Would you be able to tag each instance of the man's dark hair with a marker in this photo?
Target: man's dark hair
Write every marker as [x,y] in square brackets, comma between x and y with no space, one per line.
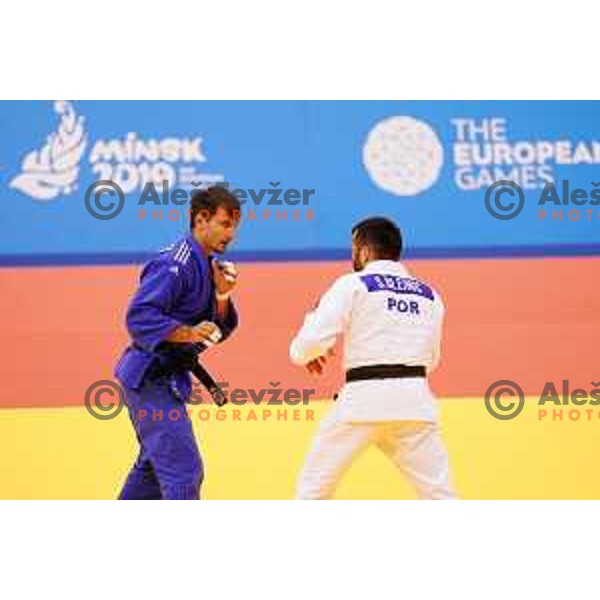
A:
[207,201]
[381,235]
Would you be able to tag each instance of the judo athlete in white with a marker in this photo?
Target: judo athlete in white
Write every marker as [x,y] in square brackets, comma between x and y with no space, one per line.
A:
[392,324]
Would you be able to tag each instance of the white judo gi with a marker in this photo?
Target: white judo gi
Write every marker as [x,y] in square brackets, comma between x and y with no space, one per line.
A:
[387,317]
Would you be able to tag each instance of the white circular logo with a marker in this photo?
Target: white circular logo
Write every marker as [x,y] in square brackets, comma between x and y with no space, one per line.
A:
[403,156]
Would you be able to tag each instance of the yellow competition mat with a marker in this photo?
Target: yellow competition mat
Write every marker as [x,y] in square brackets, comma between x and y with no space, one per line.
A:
[64,453]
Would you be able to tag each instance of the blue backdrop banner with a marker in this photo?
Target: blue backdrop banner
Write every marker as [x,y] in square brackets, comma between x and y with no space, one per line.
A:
[462,178]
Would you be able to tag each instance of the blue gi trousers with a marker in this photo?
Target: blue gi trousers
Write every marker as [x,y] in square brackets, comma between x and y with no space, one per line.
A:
[169,465]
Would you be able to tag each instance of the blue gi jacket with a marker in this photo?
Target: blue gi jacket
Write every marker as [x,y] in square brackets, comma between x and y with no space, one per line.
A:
[176,288]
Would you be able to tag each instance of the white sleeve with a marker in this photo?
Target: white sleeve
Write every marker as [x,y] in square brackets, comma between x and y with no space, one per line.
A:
[321,326]
[437,341]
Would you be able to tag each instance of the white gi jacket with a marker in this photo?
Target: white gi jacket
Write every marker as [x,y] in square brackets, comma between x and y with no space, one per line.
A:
[386,317]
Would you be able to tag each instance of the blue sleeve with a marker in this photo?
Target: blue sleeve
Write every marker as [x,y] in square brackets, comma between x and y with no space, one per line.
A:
[148,317]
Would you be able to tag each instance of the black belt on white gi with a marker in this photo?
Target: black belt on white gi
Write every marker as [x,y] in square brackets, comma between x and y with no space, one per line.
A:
[384,372]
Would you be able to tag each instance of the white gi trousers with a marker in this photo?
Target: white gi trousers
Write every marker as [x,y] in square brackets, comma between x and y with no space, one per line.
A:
[375,412]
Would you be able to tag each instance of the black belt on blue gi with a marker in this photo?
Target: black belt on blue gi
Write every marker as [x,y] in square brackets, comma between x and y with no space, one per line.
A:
[202,375]
[384,372]
[206,379]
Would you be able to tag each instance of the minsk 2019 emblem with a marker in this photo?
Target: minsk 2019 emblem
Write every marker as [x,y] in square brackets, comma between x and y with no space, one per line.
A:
[53,170]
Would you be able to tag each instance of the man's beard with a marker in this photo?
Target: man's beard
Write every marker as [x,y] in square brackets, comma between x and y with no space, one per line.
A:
[356,265]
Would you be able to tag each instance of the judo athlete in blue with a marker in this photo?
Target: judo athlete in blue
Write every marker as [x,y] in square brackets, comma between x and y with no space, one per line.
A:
[182,304]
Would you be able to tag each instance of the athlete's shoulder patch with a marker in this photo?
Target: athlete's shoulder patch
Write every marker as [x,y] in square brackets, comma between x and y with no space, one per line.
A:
[166,249]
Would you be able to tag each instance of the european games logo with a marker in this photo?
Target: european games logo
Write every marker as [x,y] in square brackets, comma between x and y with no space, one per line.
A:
[403,156]
[53,170]
[130,161]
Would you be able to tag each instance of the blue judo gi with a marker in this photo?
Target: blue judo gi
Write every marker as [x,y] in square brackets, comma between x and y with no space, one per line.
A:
[176,288]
